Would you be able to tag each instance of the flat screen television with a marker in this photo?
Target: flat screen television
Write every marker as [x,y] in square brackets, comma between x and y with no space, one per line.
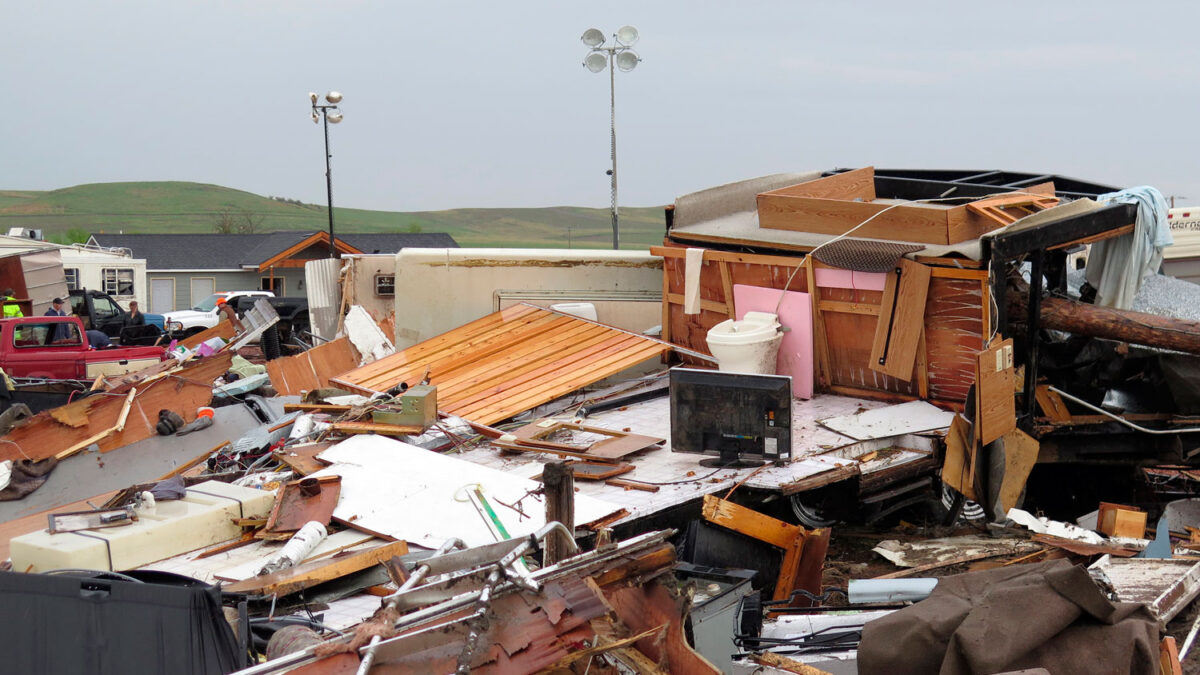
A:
[742,419]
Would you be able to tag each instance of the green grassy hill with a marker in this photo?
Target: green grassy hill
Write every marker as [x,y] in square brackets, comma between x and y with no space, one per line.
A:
[193,207]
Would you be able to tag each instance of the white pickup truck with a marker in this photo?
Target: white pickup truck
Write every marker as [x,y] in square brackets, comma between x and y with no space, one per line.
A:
[186,322]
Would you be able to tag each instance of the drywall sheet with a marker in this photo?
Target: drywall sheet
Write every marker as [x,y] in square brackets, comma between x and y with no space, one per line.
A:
[400,490]
[860,281]
[894,420]
[795,314]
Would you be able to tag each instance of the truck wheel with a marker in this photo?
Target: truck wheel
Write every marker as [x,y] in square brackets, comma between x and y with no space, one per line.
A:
[270,344]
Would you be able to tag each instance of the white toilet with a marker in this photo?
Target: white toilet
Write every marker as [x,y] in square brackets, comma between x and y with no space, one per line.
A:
[747,346]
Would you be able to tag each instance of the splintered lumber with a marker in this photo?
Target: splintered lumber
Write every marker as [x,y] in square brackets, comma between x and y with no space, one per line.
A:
[110,423]
[376,428]
[223,330]
[1115,324]
[558,482]
[795,571]
[773,660]
[307,575]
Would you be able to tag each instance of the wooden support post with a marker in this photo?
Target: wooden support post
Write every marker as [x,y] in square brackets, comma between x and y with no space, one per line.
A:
[559,482]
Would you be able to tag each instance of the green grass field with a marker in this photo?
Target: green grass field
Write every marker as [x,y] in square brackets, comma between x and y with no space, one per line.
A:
[162,207]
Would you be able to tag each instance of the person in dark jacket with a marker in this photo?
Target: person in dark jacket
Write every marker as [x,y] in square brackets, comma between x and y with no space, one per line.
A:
[136,318]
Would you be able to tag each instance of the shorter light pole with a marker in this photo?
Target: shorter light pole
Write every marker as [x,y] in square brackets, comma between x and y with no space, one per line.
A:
[622,56]
[330,113]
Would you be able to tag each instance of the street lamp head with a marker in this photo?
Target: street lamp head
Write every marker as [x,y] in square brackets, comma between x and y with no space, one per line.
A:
[627,60]
[334,97]
[333,116]
[316,117]
[312,96]
[627,36]
[592,38]
[596,62]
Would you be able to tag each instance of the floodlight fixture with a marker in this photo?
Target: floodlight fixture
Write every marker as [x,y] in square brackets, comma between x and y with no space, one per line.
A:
[627,60]
[616,56]
[627,36]
[330,113]
[592,37]
[596,62]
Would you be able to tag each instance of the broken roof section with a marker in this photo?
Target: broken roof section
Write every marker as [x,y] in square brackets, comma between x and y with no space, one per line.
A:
[756,212]
[508,362]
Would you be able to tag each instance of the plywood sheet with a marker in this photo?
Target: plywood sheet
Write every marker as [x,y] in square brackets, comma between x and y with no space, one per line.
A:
[958,470]
[795,314]
[996,412]
[400,490]
[901,320]
[892,420]
[508,362]
[312,369]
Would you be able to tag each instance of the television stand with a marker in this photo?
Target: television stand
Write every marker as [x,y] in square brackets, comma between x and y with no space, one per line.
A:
[731,459]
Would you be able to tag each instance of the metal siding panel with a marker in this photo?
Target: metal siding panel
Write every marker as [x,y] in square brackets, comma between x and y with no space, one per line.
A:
[324,295]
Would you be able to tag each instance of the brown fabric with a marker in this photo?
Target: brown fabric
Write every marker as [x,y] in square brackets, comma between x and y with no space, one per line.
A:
[26,477]
[1049,615]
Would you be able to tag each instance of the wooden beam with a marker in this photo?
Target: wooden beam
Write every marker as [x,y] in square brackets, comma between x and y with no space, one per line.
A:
[307,575]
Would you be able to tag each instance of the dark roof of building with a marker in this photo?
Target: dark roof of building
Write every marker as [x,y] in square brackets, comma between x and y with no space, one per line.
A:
[232,251]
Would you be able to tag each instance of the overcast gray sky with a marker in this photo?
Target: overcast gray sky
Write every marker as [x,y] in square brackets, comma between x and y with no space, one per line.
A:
[486,104]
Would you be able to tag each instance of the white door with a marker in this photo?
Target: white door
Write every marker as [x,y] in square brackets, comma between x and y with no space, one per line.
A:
[202,287]
[162,296]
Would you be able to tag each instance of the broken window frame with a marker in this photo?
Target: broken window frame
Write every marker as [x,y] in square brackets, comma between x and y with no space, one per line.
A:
[117,281]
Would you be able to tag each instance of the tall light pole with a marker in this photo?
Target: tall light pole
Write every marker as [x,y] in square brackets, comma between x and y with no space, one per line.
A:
[621,55]
[330,113]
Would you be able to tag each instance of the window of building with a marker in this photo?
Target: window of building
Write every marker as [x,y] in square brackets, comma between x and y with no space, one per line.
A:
[117,280]
[385,284]
[72,274]
[274,284]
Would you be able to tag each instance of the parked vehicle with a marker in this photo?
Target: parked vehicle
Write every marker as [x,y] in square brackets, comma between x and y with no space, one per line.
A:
[188,322]
[58,347]
[100,312]
[292,311]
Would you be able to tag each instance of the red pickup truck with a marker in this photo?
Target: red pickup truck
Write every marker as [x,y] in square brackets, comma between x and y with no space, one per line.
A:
[57,347]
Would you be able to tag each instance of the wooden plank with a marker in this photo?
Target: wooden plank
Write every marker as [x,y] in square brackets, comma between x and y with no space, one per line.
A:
[303,458]
[706,305]
[631,485]
[958,469]
[1052,405]
[1020,454]
[374,428]
[864,308]
[820,345]
[955,273]
[954,332]
[727,288]
[779,662]
[996,413]
[730,257]
[901,320]
[311,370]
[193,462]
[307,575]
[922,367]
[749,522]
[848,185]
[223,330]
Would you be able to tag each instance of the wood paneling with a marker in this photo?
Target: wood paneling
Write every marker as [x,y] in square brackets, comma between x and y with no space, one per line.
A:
[311,370]
[901,321]
[996,412]
[953,336]
[508,362]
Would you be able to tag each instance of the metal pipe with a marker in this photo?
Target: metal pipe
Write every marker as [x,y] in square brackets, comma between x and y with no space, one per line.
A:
[329,181]
[415,578]
[1122,420]
[889,590]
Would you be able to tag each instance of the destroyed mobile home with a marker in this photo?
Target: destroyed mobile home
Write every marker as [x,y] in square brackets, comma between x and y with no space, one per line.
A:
[533,490]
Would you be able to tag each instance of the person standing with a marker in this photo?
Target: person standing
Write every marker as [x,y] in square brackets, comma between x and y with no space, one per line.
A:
[57,308]
[11,308]
[136,318]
